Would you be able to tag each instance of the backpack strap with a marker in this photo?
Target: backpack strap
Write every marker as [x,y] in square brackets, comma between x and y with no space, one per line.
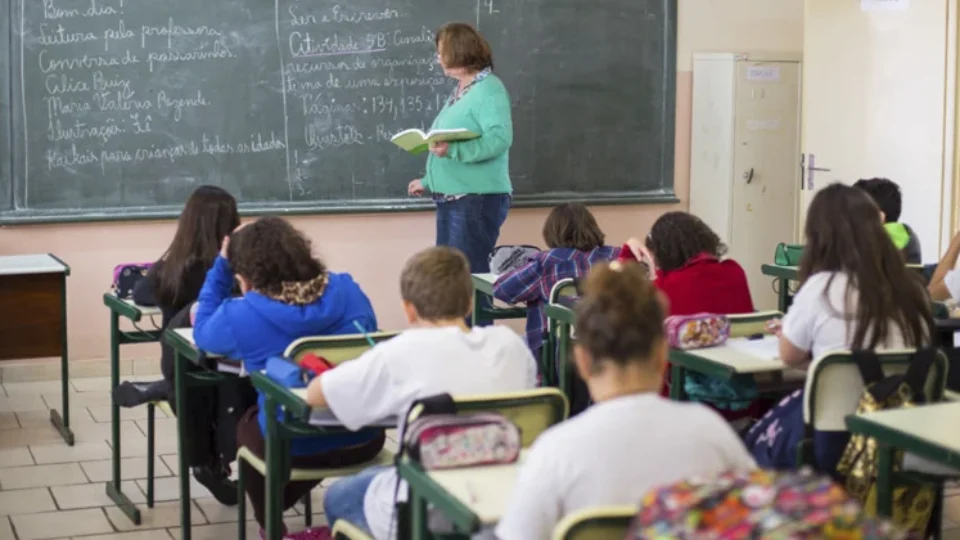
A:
[918,372]
[868,363]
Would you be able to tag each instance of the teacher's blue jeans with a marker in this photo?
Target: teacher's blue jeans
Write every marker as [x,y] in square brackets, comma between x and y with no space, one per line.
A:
[472,225]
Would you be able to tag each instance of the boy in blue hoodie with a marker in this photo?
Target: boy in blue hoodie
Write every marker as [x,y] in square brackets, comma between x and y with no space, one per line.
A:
[287,294]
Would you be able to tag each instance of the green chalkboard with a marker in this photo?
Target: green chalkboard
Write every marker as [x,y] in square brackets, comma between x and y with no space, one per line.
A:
[118,109]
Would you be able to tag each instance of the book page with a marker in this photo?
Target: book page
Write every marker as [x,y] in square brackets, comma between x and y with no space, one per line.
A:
[767,348]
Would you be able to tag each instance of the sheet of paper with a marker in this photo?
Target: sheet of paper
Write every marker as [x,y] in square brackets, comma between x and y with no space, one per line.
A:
[884,5]
[767,348]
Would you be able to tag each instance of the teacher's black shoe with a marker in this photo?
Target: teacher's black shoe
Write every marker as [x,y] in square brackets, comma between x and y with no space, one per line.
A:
[218,483]
[133,394]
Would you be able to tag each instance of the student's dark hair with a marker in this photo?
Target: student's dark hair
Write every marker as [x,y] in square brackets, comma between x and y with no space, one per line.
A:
[270,252]
[619,317]
[571,225]
[463,47]
[844,234]
[886,193]
[437,282]
[209,215]
[677,237]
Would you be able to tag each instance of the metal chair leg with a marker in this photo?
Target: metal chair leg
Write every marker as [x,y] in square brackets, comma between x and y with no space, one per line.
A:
[151,412]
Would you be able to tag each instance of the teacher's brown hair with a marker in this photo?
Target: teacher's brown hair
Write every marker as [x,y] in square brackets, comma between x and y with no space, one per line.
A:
[461,46]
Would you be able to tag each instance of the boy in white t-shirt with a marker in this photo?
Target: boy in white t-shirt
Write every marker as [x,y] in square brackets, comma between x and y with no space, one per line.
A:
[439,355]
[632,439]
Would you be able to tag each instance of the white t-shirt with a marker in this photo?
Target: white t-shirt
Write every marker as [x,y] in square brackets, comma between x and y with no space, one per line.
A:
[952,281]
[614,453]
[416,364]
[822,324]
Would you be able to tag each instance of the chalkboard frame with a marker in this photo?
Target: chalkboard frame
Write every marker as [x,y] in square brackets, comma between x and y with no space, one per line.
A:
[11,215]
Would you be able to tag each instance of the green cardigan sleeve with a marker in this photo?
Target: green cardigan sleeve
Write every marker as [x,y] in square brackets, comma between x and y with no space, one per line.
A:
[496,126]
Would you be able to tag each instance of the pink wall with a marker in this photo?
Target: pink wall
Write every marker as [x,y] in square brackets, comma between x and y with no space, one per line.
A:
[372,247]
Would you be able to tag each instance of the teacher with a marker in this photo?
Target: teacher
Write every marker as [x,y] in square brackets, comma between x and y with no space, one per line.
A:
[470,180]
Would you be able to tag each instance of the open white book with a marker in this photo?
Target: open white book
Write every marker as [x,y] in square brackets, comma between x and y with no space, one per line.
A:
[416,141]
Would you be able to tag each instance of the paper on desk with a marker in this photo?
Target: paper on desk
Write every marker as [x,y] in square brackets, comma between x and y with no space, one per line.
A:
[767,348]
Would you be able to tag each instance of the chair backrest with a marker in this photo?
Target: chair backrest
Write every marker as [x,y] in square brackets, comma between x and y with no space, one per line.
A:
[749,324]
[336,349]
[563,289]
[834,385]
[601,523]
[533,411]
[788,254]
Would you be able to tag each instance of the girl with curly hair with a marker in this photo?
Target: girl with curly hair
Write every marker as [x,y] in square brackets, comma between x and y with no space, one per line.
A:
[686,262]
[287,294]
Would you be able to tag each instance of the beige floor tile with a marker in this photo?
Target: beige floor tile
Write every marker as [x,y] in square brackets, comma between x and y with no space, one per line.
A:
[147,368]
[8,420]
[41,476]
[24,403]
[162,424]
[79,416]
[217,532]
[101,413]
[80,399]
[153,534]
[162,515]
[136,446]
[130,469]
[61,453]
[103,432]
[218,513]
[23,437]
[14,389]
[55,524]
[34,370]
[93,495]
[168,489]
[951,509]
[90,384]
[26,501]
[15,457]
[6,531]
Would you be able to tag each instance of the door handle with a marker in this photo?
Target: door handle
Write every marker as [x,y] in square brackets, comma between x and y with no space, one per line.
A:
[812,169]
[748,175]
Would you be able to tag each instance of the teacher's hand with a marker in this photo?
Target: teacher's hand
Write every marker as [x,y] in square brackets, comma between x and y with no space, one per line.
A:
[415,188]
[439,149]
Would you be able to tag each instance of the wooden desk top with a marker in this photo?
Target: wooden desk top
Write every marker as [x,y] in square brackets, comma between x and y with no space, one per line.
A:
[41,263]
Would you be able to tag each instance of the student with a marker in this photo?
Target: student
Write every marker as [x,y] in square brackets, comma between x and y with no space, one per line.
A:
[440,354]
[855,294]
[172,284]
[575,243]
[945,283]
[287,294]
[632,439]
[686,261]
[886,194]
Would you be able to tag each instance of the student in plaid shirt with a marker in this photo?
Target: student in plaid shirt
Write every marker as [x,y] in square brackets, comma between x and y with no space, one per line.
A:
[575,243]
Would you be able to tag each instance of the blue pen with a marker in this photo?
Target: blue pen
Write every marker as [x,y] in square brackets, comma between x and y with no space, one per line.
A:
[366,336]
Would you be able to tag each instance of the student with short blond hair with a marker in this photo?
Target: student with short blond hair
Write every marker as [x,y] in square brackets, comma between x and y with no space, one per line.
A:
[438,355]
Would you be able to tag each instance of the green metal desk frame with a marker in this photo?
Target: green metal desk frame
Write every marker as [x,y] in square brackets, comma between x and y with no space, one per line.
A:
[483,315]
[118,308]
[784,275]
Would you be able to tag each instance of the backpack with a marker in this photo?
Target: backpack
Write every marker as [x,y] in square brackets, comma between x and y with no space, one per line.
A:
[756,504]
[912,505]
[508,258]
[126,276]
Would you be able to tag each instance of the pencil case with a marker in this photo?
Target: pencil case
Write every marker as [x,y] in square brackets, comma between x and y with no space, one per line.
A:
[126,276]
[449,441]
[697,331]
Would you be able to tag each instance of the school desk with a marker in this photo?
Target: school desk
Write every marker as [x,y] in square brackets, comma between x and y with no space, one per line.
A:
[483,288]
[721,362]
[299,420]
[470,498]
[136,315]
[928,432]
[33,299]
[213,372]
[784,275]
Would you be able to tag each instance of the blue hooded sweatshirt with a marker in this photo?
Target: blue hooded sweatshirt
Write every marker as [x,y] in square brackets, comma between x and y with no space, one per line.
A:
[255,327]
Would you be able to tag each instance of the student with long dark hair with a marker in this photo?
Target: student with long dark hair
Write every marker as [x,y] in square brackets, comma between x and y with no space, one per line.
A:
[856,294]
[173,284]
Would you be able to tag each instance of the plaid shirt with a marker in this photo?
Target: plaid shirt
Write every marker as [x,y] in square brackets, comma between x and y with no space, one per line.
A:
[532,283]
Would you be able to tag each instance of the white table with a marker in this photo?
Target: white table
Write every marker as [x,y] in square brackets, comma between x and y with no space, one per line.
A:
[33,297]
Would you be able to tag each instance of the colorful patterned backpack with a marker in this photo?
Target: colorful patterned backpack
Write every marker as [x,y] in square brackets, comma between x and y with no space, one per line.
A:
[753,505]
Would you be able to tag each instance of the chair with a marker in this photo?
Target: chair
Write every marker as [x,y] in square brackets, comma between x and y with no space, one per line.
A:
[601,523]
[788,254]
[550,372]
[152,406]
[344,530]
[336,349]
[832,392]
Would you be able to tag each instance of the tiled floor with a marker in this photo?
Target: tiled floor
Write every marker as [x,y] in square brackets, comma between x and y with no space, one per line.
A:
[50,490]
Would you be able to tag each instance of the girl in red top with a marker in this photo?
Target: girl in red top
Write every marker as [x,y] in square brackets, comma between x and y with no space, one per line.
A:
[686,262]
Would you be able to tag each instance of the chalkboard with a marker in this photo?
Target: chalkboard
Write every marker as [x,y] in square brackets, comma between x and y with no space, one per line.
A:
[120,108]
